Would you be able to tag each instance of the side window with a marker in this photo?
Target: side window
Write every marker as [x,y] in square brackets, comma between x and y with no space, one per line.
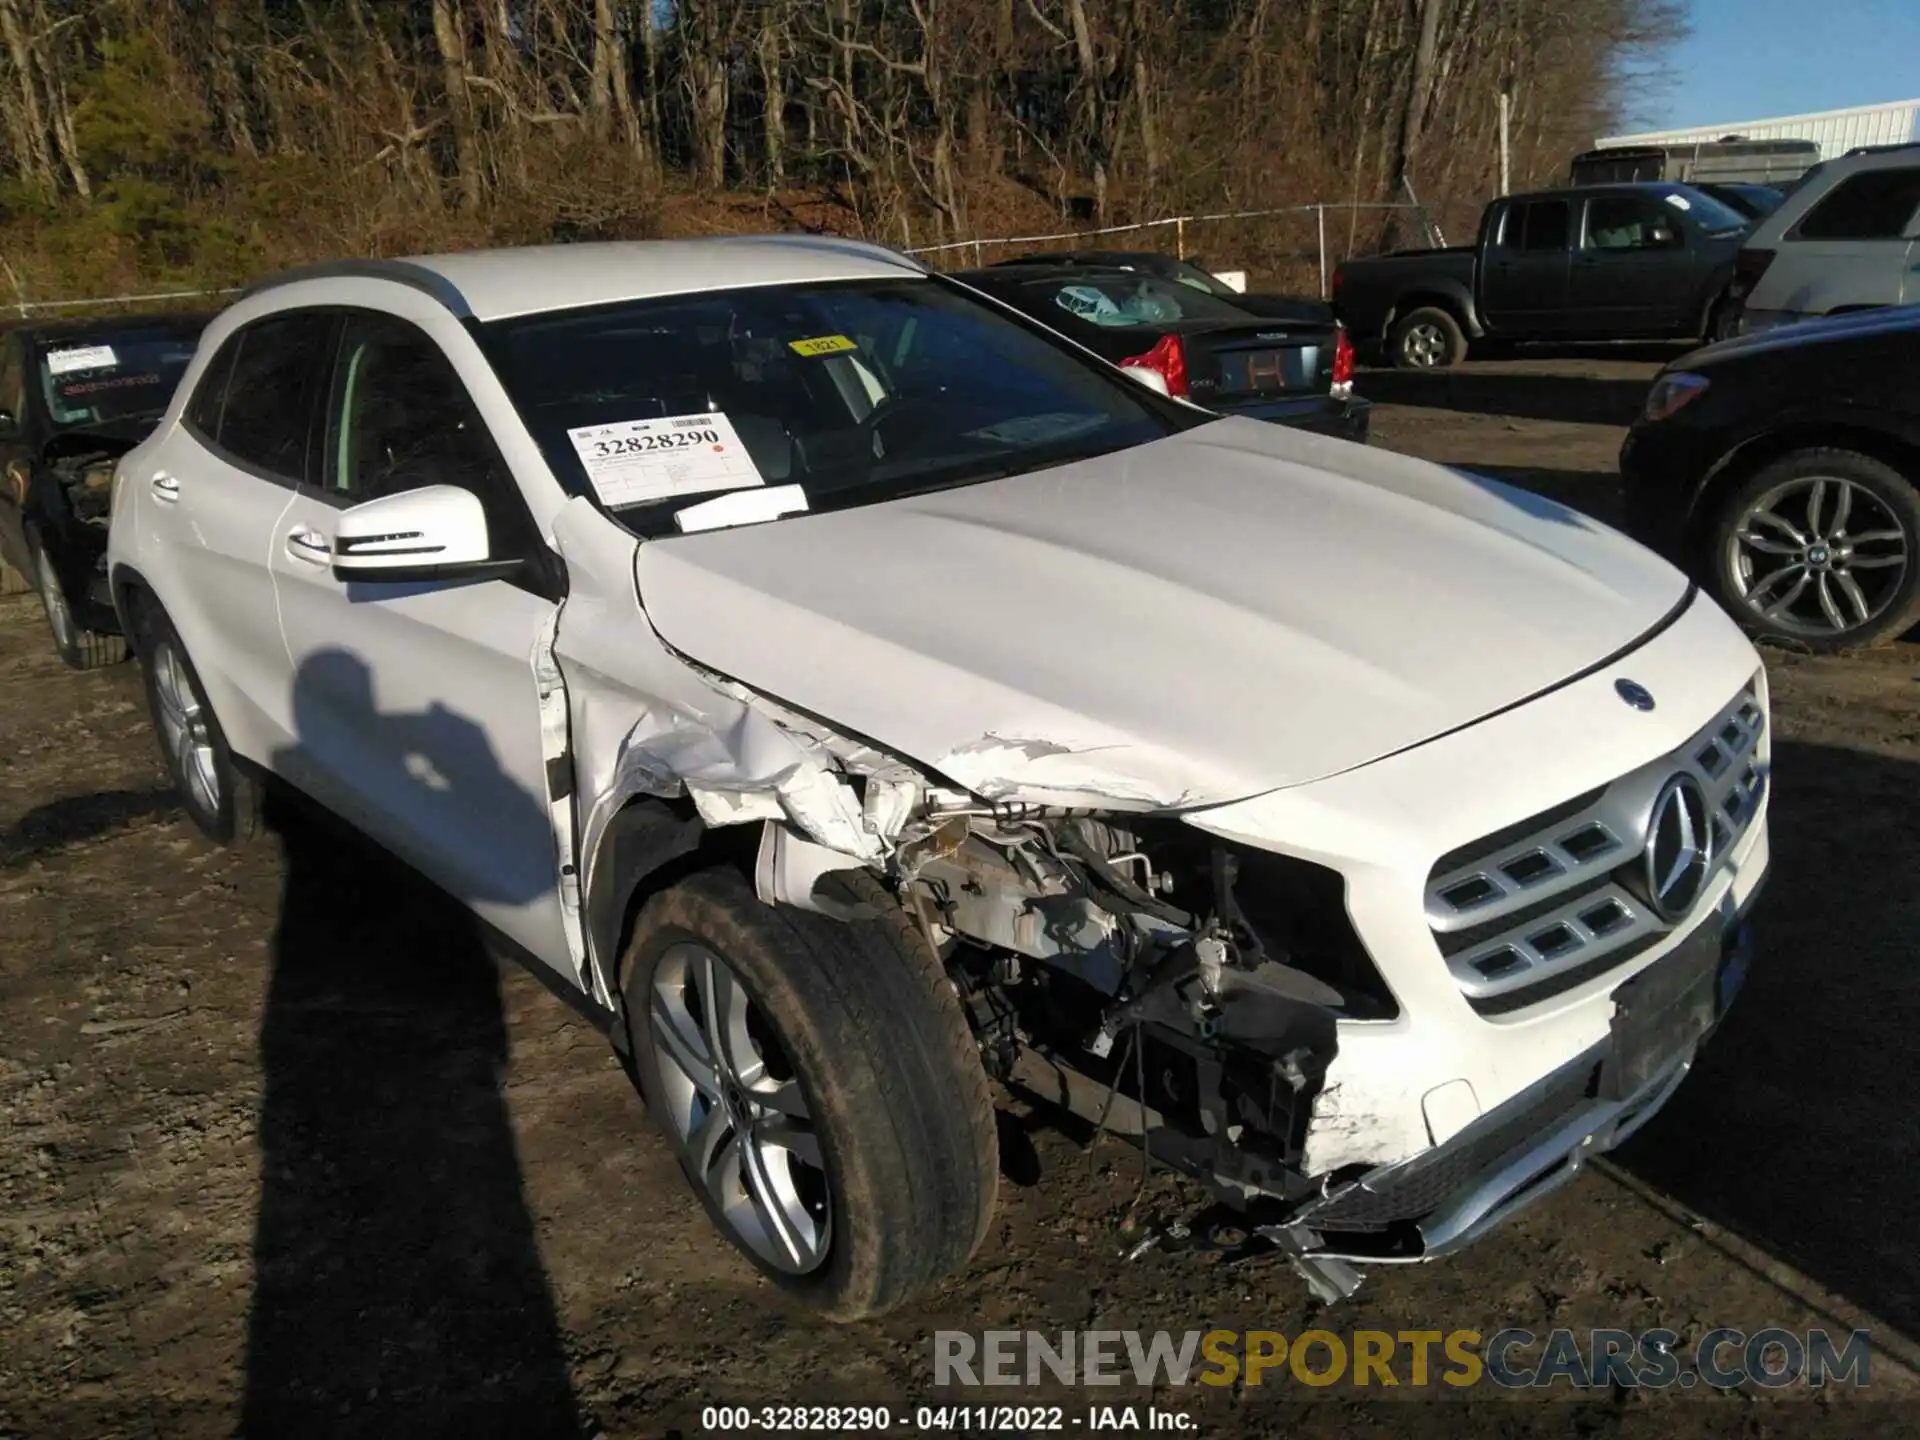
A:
[1874,205]
[1629,222]
[399,419]
[1539,225]
[210,398]
[270,392]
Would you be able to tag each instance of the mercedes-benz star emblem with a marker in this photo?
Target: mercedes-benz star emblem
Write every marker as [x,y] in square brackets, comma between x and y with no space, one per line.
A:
[1634,693]
[1679,847]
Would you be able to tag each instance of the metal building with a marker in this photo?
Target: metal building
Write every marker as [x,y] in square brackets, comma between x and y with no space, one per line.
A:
[1834,131]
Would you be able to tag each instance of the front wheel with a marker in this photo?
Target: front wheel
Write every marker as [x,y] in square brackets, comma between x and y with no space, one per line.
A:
[77,646]
[1723,320]
[1426,339]
[1819,549]
[819,1083]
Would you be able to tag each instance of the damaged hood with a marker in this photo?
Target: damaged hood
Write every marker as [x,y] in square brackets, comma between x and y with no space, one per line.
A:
[1230,610]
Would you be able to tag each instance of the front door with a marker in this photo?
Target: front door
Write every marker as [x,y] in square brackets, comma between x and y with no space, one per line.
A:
[1634,273]
[415,708]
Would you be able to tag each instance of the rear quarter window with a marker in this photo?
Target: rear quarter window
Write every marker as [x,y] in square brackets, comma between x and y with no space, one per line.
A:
[1873,205]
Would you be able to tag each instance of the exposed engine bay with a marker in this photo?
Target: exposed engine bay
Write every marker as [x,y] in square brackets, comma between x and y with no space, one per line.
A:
[1198,979]
[83,464]
[1141,972]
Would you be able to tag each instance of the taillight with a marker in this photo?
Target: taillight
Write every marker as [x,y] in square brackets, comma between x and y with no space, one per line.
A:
[1168,359]
[1342,357]
[1748,267]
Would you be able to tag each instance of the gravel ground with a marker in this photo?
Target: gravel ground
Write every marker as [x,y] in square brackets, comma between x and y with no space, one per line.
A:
[282,1152]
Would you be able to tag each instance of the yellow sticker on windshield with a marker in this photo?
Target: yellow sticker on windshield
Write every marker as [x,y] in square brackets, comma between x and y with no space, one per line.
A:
[822,345]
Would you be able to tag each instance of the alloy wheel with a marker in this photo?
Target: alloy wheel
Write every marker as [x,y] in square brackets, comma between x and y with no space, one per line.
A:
[66,634]
[1818,555]
[184,729]
[1424,345]
[737,1112]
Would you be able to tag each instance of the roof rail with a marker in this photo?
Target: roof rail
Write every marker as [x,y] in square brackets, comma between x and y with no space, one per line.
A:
[401,272]
[1886,149]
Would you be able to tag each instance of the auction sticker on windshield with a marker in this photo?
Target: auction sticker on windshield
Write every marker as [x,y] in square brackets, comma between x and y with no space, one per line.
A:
[631,462]
[822,345]
[83,357]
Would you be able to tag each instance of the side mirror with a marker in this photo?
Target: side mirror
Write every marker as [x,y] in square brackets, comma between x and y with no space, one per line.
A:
[438,532]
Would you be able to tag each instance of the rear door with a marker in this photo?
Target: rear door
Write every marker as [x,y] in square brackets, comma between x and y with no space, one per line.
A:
[415,707]
[211,492]
[1524,269]
[1635,273]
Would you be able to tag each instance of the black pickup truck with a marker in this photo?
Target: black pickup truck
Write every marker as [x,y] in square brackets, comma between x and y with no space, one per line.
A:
[1597,262]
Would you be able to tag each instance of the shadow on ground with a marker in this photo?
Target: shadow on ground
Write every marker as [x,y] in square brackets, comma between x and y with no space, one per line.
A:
[398,1285]
[78,819]
[1524,395]
[1798,1129]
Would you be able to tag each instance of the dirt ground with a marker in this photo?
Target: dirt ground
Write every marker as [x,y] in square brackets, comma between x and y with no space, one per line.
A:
[281,1152]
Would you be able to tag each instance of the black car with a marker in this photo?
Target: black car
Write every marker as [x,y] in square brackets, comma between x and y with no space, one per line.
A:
[1756,202]
[1205,349]
[1186,272]
[74,397]
[1783,468]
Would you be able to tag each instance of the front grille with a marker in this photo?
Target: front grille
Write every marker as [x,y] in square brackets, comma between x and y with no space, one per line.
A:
[1539,907]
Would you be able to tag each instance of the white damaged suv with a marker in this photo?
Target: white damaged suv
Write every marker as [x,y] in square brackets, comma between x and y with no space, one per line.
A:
[849,690]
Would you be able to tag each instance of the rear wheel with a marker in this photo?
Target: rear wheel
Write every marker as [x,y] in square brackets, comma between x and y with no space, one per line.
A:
[79,647]
[820,1086]
[1426,339]
[1821,548]
[221,798]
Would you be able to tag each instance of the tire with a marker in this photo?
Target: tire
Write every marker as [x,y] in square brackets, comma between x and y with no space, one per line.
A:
[857,1022]
[1426,339]
[79,647]
[1816,535]
[1723,320]
[219,795]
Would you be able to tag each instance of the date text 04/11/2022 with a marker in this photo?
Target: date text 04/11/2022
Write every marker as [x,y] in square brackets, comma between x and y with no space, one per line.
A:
[943,1419]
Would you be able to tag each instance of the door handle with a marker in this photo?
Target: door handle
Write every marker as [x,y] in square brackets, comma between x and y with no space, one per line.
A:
[165,488]
[309,546]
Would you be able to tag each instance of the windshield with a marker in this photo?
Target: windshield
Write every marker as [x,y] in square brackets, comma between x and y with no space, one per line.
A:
[104,377]
[1709,214]
[842,394]
[1752,200]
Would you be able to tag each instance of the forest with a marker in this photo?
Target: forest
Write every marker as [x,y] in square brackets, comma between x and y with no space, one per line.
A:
[150,143]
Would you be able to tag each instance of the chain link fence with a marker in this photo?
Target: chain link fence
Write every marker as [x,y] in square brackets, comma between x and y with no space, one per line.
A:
[1297,246]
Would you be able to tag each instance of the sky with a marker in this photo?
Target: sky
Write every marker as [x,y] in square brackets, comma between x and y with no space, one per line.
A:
[1750,59]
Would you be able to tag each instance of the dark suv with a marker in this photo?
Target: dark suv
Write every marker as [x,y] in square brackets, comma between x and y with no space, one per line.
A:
[74,397]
